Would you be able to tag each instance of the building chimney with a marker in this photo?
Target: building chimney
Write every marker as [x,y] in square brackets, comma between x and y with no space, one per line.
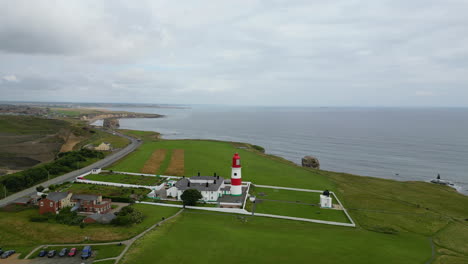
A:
[214,181]
[188,183]
[206,184]
[217,177]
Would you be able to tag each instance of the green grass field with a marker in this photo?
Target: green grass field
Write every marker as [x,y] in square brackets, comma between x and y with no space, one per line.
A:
[129,179]
[18,233]
[293,203]
[26,125]
[212,238]
[208,157]
[83,188]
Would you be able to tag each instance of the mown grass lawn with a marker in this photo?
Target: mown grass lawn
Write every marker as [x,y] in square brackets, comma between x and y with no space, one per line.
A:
[196,237]
[19,233]
[293,203]
[129,179]
[207,157]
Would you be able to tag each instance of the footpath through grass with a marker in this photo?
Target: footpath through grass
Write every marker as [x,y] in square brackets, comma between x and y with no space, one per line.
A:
[227,238]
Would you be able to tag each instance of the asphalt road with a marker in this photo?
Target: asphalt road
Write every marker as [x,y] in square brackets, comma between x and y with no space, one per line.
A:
[71,175]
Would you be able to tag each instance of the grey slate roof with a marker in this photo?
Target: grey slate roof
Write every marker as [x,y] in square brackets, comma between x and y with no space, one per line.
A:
[102,218]
[183,183]
[57,196]
[85,197]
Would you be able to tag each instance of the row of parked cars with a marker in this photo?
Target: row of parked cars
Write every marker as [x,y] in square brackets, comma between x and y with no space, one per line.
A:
[85,253]
[6,254]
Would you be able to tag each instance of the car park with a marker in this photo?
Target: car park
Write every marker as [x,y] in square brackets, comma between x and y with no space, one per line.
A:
[72,252]
[42,253]
[86,253]
[63,252]
[7,253]
[51,253]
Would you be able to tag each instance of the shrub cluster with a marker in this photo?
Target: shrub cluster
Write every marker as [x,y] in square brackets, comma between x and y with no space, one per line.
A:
[65,162]
[128,216]
[65,216]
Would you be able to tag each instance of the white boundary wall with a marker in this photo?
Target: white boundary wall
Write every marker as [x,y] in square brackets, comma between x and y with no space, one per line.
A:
[314,191]
[244,212]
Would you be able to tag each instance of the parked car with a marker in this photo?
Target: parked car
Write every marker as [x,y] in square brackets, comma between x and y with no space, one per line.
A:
[7,253]
[72,252]
[42,253]
[86,253]
[51,253]
[1,251]
[63,252]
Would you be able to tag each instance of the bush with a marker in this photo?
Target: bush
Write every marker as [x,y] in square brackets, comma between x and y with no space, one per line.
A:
[39,218]
[128,216]
[191,196]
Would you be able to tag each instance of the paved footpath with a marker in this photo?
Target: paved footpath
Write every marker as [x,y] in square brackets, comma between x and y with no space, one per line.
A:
[112,158]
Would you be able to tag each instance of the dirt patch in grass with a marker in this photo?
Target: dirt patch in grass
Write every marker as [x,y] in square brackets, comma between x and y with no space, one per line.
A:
[70,142]
[176,166]
[154,162]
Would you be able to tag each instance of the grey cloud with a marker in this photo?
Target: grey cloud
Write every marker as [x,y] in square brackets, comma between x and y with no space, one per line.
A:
[391,53]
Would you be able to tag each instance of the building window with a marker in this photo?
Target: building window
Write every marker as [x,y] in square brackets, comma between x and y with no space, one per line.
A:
[42,203]
[51,204]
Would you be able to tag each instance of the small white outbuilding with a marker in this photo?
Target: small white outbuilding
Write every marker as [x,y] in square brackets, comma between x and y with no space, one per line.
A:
[326,200]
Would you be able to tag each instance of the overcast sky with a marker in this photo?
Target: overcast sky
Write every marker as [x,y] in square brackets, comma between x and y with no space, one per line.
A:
[307,53]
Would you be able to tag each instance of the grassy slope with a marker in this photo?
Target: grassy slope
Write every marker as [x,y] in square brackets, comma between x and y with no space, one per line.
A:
[216,238]
[100,136]
[423,208]
[19,233]
[213,156]
[27,125]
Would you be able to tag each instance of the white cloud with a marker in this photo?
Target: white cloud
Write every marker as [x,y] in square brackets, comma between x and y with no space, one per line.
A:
[10,78]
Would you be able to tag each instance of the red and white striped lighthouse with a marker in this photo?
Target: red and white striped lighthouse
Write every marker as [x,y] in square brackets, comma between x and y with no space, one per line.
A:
[236,178]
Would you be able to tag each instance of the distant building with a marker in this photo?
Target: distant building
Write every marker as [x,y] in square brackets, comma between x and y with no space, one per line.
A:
[99,218]
[96,171]
[90,203]
[104,146]
[54,202]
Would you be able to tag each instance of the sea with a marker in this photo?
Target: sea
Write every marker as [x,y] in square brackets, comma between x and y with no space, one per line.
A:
[403,144]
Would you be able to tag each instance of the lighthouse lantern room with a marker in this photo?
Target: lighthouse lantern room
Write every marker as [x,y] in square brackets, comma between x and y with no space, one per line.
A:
[236,177]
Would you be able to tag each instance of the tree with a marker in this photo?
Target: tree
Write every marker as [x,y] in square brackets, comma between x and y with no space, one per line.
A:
[191,196]
[40,188]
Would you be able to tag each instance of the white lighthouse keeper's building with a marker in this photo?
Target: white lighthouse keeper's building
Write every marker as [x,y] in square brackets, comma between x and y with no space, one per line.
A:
[236,177]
